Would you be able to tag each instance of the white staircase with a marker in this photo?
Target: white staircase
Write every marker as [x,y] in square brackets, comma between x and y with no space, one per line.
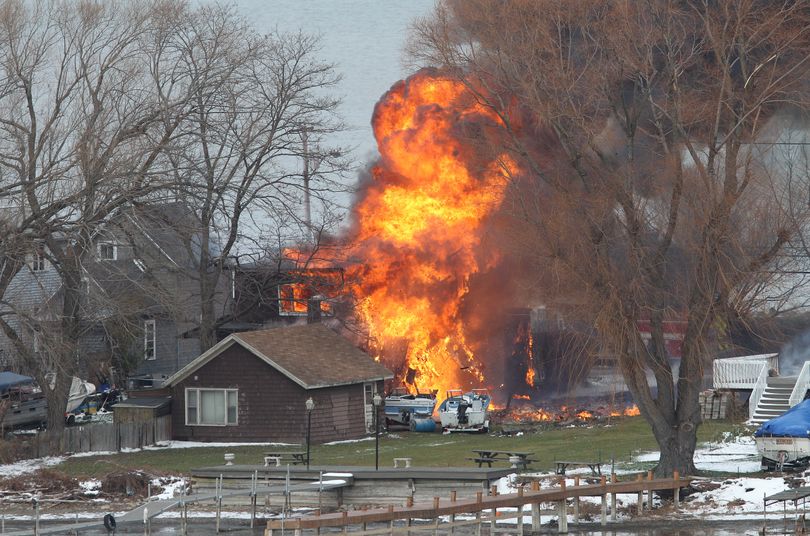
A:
[775,399]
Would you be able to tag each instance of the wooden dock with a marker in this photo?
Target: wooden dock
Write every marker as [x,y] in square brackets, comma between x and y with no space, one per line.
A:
[453,506]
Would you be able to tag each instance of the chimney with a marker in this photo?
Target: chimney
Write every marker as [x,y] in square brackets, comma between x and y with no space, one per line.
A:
[314,309]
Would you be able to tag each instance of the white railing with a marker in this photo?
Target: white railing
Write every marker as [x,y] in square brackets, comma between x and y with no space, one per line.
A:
[756,393]
[742,372]
[802,384]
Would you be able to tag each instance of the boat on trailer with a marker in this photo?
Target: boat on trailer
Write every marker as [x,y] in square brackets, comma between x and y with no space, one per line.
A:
[784,442]
[465,412]
[402,407]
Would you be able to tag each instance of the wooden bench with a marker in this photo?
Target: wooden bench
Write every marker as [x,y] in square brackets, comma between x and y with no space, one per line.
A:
[405,461]
[595,467]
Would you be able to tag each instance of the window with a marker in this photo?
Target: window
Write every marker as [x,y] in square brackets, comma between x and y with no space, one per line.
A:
[212,407]
[107,251]
[38,260]
[149,339]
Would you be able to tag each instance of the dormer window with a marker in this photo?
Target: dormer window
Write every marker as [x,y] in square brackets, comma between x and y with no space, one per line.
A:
[107,251]
[38,259]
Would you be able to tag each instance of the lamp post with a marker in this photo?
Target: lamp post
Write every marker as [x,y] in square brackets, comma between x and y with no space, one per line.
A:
[377,401]
[310,404]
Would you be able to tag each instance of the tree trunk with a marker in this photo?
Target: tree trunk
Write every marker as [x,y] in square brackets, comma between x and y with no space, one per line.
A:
[677,445]
[57,402]
[208,286]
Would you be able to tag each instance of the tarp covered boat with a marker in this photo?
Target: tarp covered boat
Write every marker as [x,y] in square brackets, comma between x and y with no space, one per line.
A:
[21,402]
[784,442]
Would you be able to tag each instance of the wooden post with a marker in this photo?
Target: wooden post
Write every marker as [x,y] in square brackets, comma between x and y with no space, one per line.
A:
[453,496]
[677,491]
[535,485]
[562,517]
[535,517]
[493,491]
[345,520]
[435,503]
[391,523]
[478,519]
[479,496]
[492,525]
[409,502]
[603,516]
[576,501]
[613,498]
[649,491]
[640,505]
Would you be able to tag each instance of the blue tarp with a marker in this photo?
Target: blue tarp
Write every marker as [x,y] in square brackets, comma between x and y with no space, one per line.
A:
[9,379]
[795,422]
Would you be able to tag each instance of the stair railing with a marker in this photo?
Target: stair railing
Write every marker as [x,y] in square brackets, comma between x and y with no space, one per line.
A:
[759,388]
[802,384]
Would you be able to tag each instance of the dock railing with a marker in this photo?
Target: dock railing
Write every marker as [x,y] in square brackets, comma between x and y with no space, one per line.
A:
[441,509]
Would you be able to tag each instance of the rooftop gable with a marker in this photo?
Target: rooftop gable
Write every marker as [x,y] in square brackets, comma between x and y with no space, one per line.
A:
[311,355]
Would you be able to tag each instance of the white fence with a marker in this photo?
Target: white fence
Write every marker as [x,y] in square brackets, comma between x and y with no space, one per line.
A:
[742,372]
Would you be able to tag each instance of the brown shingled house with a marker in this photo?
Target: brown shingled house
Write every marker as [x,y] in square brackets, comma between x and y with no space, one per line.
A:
[252,386]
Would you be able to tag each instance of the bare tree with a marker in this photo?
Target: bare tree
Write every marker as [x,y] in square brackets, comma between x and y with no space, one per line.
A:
[648,182]
[87,111]
[237,166]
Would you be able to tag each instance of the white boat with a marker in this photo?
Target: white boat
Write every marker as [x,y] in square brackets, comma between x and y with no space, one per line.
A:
[402,407]
[784,442]
[465,412]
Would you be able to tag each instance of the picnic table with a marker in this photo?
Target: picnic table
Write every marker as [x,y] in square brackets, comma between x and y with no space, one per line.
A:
[293,456]
[518,459]
[595,467]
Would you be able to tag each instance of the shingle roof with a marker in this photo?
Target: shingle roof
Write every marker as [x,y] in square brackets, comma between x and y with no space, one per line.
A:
[312,355]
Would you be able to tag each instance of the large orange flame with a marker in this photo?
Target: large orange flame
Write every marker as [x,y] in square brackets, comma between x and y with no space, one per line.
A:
[419,229]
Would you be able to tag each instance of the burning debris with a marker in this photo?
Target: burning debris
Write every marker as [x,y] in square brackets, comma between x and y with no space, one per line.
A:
[527,413]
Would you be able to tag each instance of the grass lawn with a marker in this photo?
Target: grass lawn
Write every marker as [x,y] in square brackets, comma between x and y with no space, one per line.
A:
[623,438]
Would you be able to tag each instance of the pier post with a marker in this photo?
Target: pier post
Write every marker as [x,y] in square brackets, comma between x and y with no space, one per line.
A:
[562,517]
[576,501]
[492,524]
[677,491]
[603,517]
[478,523]
[649,491]
[613,498]
[640,505]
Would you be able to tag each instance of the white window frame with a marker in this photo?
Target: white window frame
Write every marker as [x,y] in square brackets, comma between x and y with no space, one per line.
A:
[101,247]
[38,260]
[149,327]
[228,394]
